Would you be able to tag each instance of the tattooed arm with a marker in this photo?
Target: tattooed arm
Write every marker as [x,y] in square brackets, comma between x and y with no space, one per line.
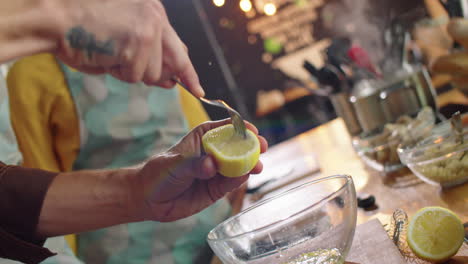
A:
[132,40]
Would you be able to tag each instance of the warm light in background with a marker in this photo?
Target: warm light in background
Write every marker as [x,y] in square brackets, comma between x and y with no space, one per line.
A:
[269,9]
[245,5]
[218,3]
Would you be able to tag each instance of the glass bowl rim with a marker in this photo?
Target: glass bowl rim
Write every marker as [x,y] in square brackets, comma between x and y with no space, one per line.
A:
[423,162]
[348,179]
[406,153]
[371,149]
[393,140]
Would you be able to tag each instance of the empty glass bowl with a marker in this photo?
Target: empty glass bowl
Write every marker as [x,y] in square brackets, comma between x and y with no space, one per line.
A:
[312,223]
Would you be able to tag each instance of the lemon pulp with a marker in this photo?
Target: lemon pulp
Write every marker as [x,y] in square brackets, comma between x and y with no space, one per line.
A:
[323,256]
[435,234]
[234,154]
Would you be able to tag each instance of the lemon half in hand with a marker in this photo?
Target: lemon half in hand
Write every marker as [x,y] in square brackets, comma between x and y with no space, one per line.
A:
[234,154]
[435,234]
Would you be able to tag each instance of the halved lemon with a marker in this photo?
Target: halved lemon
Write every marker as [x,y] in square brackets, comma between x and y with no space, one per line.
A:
[234,154]
[435,234]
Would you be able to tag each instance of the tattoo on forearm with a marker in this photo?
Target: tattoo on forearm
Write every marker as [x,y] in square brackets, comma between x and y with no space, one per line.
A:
[80,39]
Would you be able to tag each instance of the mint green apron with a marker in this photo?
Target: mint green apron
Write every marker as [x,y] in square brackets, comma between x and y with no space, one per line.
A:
[121,125]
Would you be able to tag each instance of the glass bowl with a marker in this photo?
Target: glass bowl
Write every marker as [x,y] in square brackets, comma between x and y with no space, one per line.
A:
[440,159]
[380,151]
[313,222]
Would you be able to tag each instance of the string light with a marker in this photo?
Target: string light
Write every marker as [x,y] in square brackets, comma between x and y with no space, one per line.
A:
[219,3]
[245,5]
[269,9]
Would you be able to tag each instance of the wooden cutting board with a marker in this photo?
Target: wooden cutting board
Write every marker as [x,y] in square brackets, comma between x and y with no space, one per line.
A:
[372,245]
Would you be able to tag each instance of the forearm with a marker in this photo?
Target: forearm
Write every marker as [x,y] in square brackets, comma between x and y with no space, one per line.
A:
[86,200]
[31,26]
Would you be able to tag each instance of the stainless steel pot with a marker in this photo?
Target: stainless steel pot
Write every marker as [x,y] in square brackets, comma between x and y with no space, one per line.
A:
[367,105]
[345,110]
[399,98]
[380,102]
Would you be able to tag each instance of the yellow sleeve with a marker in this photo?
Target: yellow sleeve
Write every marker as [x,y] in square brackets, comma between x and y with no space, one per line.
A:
[43,114]
[192,108]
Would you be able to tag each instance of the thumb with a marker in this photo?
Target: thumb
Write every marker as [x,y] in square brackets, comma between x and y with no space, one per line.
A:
[187,170]
[179,174]
[206,168]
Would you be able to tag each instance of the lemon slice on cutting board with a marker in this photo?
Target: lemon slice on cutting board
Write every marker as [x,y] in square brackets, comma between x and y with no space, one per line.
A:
[435,234]
[234,154]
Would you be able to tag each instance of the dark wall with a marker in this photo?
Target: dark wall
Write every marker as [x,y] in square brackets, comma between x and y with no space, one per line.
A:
[369,19]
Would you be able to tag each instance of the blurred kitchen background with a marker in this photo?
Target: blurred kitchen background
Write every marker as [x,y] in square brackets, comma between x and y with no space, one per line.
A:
[280,62]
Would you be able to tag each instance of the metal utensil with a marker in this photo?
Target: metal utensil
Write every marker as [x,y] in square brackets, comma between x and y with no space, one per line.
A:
[237,121]
[457,130]
[400,222]
[457,127]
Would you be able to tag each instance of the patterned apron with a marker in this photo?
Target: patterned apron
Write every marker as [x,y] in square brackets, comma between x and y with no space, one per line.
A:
[120,125]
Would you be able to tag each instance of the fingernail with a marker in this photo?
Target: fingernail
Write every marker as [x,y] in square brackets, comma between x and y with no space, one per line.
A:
[200,91]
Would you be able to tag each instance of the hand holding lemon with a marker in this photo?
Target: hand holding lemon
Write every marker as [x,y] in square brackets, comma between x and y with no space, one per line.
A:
[189,176]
